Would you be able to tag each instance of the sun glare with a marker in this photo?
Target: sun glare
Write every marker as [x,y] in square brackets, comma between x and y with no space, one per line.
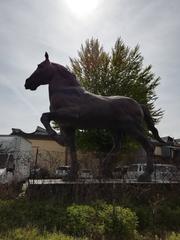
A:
[82,8]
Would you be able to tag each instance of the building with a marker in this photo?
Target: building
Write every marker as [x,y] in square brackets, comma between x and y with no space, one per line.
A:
[169,153]
[46,153]
[15,157]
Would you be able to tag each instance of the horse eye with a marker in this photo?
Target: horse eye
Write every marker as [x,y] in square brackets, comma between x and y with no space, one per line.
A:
[40,66]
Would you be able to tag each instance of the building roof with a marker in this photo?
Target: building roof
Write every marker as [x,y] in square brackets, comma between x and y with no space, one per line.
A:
[177,140]
[6,136]
[39,133]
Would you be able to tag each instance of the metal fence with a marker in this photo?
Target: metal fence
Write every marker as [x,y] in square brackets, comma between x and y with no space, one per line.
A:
[44,165]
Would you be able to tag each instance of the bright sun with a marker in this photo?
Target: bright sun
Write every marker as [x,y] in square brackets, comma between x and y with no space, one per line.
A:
[82,8]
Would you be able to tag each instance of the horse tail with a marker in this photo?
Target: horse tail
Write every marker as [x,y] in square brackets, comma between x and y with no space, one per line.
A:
[150,123]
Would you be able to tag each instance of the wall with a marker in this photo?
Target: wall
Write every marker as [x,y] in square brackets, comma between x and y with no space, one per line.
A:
[47,154]
[18,158]
[50,155]
[109,191]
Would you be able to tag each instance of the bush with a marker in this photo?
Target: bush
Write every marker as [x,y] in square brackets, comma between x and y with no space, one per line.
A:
[22,213]
[145,218]
[34,234]
[80,220]
[174,236]
[108,221]
[119,223]
[168,218]
[102,221]
[165,218]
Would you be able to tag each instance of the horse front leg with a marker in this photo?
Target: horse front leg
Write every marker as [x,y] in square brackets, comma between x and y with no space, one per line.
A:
[46,118]
[67,134]
[62,116]
[70,136]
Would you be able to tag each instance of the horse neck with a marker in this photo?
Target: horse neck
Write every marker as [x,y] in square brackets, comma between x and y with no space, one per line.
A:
[59,84]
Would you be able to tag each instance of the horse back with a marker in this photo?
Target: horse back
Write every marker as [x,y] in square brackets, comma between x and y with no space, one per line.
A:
[96,109]
[127,107]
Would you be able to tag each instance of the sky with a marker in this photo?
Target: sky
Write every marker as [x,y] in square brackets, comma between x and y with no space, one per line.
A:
[28,28]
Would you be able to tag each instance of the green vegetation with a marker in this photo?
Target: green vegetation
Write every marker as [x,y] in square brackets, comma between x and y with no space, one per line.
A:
[32,233]
[105,220]
[174,236]
[76,220]
[27,220]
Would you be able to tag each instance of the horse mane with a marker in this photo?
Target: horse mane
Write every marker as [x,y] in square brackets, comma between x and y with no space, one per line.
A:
[65,73]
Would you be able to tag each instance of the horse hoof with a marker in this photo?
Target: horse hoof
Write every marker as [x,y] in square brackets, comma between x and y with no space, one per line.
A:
[58,139]
[144,178]
[107,175]
[52,134]
[72,178]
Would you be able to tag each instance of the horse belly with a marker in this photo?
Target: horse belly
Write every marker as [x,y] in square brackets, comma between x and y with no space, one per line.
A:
[97,116]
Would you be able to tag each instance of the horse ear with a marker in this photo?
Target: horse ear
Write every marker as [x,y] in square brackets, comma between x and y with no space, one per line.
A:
[46,56]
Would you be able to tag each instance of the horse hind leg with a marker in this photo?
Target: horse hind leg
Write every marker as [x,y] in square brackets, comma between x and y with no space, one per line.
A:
[149,149]
[109,160]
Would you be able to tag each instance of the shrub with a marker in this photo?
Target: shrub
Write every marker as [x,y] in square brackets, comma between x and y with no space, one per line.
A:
[80,220]
[34,234]
[119,223]
[174,236]
[145,217]
[21,213]
[97,222]
[104,221]
[168,218]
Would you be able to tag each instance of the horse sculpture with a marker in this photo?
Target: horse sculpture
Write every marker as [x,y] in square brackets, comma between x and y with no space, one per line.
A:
[72,107]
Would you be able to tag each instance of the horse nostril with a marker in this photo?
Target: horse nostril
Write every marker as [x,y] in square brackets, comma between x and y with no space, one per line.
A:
[25,85]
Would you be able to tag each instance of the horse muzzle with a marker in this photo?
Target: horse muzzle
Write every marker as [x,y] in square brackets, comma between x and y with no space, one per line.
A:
[26,85]
[30,86]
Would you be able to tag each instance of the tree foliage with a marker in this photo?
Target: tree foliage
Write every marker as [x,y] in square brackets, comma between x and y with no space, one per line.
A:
[120,72]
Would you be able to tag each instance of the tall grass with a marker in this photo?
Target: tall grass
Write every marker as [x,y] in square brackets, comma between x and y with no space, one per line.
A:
[30,233]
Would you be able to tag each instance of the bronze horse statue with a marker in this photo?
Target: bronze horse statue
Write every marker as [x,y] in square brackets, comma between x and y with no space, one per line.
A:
[72,107]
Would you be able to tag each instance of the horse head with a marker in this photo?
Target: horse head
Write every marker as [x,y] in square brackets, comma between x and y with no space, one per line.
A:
[47,71]
[41,76]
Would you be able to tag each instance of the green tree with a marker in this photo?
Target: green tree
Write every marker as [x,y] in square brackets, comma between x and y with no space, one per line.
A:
[120,72]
